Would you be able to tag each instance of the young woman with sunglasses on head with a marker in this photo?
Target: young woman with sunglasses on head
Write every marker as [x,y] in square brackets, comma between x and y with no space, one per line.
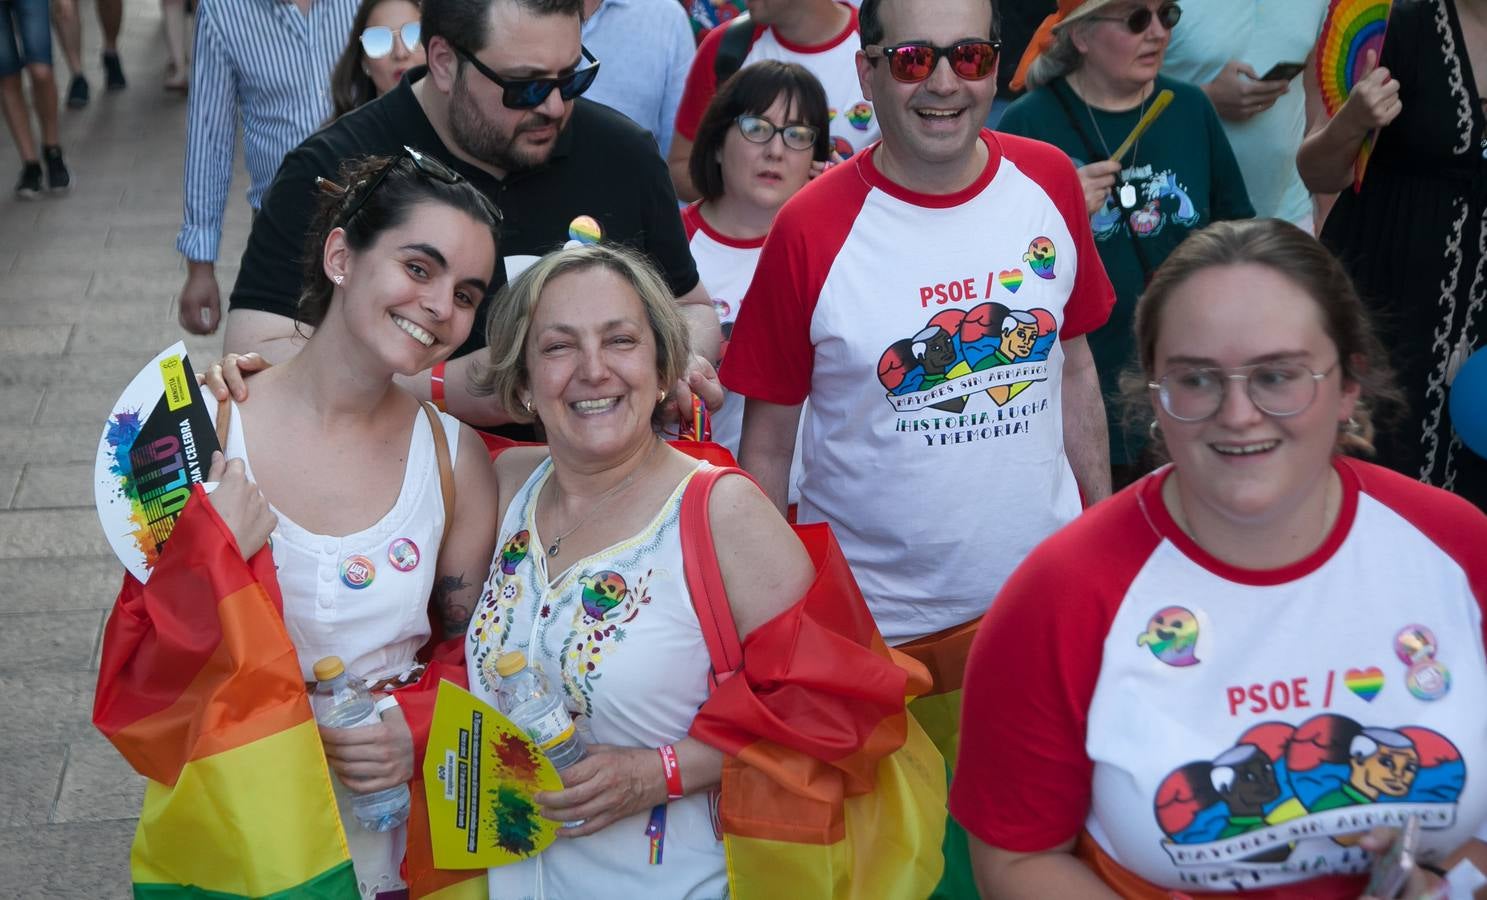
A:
[1231,674]
[1092,73]
[385,43]
[754,150]
[353,466]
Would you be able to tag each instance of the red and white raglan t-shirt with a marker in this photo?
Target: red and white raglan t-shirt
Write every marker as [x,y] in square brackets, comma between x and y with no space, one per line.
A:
[834,63]
[926,331]
[1215,729]
[725,266]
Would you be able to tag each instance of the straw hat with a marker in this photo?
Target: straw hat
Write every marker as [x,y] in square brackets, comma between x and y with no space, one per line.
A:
[1068,11]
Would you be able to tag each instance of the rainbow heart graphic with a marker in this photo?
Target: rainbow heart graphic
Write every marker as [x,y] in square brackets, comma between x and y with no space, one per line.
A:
[1366,683]
[1011,279]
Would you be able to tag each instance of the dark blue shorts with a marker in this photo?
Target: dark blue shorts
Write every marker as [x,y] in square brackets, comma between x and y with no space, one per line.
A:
[25,35]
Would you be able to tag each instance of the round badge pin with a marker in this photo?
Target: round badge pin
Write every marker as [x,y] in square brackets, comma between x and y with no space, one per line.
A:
[357,572]
[585,230]
[1414,643]
[403,554]
[1428,680]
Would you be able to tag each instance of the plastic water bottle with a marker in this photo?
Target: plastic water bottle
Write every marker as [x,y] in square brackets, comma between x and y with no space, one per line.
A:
[534,707]
[342,701]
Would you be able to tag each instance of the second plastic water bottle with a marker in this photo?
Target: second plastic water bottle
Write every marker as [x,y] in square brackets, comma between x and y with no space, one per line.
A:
[531,705]
[342,701]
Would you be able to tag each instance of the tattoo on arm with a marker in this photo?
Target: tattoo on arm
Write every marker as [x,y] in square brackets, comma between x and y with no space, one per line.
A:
[451,598]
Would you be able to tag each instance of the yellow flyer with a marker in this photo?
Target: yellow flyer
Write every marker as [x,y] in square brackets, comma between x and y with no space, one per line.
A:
[480,774]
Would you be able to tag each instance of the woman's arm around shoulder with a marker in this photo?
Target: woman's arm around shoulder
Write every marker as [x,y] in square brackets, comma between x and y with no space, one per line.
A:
[765,567]
[465,558]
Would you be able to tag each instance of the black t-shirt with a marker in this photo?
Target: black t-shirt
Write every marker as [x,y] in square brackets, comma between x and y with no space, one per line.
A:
[603,166]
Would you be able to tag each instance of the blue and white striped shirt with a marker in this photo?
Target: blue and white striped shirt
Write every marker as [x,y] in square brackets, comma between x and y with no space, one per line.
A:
[271,64]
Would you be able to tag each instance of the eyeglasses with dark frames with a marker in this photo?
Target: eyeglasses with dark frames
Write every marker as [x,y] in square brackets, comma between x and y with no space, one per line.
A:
[529,93]
[972,59]
[1278,389]
[759,130]
[1169,14]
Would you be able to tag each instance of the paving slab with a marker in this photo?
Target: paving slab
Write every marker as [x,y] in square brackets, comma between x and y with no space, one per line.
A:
[75,442]
[97,785]
[49,639]
[29,782]
[52,485]
[10,479]
[68,861]
[42,704]
[51,532]
[57,585]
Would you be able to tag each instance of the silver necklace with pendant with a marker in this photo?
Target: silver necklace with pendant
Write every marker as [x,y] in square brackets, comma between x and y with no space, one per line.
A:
[557,543]
[1126,193]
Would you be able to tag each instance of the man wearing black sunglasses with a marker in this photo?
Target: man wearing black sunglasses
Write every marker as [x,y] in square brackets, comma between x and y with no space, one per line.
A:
[941,227]
[499,102]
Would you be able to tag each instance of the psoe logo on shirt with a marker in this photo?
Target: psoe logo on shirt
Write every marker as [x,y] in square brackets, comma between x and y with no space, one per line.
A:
[1286,803]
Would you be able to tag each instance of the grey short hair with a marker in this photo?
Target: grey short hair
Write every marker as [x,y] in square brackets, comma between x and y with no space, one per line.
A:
[504,373]
[1367,744]
[1058,60]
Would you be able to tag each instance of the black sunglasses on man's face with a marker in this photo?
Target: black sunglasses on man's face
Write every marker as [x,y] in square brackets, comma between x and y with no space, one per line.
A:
[529,93]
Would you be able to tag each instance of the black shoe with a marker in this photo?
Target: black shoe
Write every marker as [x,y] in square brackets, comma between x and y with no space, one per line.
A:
[57,176]
[29,187]
[77,92]
[113,72]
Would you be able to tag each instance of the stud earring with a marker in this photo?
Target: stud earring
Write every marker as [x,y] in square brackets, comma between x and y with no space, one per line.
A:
[338,279]
[1154,430]
[527,404]
[661,398]
[1351,426]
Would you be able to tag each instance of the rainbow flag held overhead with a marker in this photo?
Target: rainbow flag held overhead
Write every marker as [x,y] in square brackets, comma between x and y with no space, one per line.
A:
[200,690]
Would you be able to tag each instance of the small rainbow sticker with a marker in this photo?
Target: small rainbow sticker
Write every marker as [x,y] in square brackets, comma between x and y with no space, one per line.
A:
[1366,683]
[860,116]
[585,230]
[1011,279]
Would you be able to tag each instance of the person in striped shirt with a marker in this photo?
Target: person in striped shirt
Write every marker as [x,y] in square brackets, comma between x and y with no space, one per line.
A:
[264,64]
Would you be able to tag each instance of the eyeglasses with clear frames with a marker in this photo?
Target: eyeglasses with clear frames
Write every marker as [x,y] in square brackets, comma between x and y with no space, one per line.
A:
[1278,389]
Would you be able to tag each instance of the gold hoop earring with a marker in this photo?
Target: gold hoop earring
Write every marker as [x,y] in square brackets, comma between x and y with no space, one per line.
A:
[1154,430]
[527,405]
[662,398]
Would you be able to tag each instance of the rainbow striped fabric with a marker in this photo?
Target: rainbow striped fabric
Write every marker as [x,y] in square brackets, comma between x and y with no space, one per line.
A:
[200,690]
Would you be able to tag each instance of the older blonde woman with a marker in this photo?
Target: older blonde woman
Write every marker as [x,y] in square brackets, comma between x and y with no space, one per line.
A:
[1092,71]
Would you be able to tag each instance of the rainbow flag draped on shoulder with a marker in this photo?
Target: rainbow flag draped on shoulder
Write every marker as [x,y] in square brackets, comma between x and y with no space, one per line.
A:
[200,690]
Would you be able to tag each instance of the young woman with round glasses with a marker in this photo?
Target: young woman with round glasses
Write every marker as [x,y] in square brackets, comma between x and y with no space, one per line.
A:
[385,43]
[1244,669]
[754,149]
[1091,77]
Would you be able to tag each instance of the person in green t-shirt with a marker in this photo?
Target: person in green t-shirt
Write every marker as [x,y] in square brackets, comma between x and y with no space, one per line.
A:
[1087,91]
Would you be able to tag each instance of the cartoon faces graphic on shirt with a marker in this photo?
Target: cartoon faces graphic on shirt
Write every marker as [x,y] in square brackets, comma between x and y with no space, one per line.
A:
[602,592]
[1040,257]
[1282,796]
[1172,636]
[992,349]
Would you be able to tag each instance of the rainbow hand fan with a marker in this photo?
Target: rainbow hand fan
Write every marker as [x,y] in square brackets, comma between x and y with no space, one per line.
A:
[1352,28]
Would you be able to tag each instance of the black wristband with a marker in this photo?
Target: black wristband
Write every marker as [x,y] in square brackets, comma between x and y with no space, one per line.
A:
[1435,870]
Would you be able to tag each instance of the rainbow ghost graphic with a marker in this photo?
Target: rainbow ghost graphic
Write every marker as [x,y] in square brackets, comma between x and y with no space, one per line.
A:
[1172,636]
[602,592]
[514,551]
[1040,257]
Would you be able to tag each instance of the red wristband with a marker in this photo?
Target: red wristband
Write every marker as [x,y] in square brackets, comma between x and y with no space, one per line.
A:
[436,386]
[673,772]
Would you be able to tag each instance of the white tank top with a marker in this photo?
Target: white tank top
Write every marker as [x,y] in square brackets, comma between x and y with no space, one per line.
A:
[618,631]
[364,597]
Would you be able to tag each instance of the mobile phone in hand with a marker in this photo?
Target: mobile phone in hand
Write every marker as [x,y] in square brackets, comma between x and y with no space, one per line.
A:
[1283,71]
[1391,872]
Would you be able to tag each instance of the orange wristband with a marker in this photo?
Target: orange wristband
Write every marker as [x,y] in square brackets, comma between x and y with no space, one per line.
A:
[436,386]
[673,772]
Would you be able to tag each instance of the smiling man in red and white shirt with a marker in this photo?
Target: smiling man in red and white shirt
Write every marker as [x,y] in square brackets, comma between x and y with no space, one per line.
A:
[930,297]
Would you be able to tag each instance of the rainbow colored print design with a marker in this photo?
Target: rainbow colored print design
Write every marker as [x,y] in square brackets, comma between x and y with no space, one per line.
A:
[992,348]
[150,520]
[1366,683]
[1041,256]
[1172,636]
[1285,803]
[514,551]
[860,116]
[607,604]
[511,817]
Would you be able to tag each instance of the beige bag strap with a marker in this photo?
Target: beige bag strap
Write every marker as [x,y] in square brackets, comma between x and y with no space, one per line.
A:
[224,418]
[446,468]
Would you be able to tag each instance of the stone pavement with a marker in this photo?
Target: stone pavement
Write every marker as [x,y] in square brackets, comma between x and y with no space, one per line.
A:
[87,288]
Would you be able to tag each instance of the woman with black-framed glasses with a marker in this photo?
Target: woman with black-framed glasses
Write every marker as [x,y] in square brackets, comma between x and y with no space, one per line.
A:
[382,509]
[1248,669]
[1092,72]
[386,41]
[755,148]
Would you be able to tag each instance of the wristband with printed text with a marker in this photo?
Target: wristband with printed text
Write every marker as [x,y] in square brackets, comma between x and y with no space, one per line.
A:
[673,772]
